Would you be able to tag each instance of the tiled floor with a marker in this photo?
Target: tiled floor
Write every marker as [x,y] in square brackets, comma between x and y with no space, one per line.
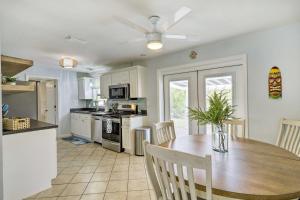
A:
[89,172]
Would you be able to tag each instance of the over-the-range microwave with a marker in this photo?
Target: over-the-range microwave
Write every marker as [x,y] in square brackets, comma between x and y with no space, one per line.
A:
[121,92]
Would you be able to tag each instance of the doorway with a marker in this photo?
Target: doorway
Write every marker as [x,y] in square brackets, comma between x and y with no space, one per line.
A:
[47,101]
[192,89]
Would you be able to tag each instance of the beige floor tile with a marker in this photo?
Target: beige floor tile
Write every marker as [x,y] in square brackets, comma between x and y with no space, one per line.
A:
[91,162]
[137,174]
[138,195]
[82,178]
[135,167]
[120,168]
[54,191]
[74,189]
[106,168]
[117,186]
[96,187]
[104,162]
[62,179]
[138,184]
[104,176]
[63,164]
[119,176]
[32,197]
[70,170]
[115,196]
[69,198]
[47,198]
[76,163]
[153,195]
[92,197]
[88,169]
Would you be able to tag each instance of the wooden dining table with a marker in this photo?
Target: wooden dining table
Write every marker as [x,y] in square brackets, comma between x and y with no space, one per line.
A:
[249,170]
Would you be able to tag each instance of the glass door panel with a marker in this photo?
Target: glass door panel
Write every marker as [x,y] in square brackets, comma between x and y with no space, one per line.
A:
[179,103]
[218,84]
[180,93]
[229,79]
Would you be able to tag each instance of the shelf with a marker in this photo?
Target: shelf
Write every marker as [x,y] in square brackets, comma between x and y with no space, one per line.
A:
[12,66]
[13,89]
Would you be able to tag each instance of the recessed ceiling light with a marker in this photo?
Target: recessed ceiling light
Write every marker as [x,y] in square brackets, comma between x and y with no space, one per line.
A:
[68,63]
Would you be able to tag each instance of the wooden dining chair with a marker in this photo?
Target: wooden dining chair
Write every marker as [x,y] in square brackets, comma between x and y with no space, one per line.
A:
[289,136]
[166,169]
[165,131]
[235,128]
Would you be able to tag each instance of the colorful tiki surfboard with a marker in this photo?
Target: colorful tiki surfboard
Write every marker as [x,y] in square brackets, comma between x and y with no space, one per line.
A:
[275,83]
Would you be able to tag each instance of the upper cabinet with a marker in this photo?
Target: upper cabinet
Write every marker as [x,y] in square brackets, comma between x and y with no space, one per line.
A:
[135,76]
[120,78]
[105,82]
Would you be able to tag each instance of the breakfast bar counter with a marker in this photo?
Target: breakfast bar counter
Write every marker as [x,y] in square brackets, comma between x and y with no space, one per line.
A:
[29,160]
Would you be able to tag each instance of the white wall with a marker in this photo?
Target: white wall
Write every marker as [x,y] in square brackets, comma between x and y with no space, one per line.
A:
[278,46]
[67,92]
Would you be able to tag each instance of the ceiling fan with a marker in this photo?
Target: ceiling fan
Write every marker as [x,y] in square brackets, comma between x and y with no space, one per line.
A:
[154,36]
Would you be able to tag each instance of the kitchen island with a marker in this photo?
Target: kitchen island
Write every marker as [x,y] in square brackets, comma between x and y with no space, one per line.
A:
[29,160]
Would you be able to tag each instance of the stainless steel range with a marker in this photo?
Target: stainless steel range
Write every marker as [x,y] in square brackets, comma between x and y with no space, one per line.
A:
[112,126]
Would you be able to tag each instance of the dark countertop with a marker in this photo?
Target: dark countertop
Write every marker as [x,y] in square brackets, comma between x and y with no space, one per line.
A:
[100,112]
[86,110]
[34,126]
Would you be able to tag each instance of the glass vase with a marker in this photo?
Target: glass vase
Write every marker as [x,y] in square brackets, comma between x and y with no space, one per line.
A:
[220,141]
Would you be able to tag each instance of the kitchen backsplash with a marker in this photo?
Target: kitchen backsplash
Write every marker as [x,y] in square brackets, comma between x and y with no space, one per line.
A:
[140,102]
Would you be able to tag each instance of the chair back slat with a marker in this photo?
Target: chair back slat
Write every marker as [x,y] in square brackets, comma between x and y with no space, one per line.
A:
[289,136]
[235,128]
[173,181]
[165,131]
[181,182]
[165,161]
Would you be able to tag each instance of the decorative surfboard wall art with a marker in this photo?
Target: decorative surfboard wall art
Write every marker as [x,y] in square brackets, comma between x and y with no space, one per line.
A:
[275,83]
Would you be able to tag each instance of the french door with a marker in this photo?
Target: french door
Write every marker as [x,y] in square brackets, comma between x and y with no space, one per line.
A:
[192,89]
[180,93]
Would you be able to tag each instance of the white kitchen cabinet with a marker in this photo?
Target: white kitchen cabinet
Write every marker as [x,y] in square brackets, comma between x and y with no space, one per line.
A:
[81,125]
[85,90]
[105,82]
[129,124]
[135,76]
[120,78]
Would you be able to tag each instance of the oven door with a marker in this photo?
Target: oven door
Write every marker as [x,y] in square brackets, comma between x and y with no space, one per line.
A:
[119,91]
[115,133]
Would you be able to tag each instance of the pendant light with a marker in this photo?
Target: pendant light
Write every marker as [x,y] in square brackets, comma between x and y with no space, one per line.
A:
[68,63]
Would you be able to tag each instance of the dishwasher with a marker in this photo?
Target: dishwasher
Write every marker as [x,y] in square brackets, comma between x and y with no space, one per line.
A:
[97,129]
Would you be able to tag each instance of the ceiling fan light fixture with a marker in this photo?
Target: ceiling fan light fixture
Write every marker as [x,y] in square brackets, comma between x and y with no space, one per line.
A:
[154,45]
[154,41]
[68,63]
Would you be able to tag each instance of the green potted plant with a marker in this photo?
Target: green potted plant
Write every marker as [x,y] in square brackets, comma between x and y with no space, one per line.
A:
[219,110]
[8,80]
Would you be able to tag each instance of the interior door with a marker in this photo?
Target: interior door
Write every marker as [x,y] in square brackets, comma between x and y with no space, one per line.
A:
[47,101]
[229,79]
[180,93]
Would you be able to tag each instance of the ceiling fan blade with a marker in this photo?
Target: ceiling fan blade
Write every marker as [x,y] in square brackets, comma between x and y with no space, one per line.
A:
[179,15]
[133,41]
[132,25]
[178,37]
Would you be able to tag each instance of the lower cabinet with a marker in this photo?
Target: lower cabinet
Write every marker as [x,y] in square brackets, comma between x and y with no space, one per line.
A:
[81,125]
[128,131]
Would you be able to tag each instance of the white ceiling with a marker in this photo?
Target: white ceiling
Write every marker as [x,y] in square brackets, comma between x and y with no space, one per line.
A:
[36,29]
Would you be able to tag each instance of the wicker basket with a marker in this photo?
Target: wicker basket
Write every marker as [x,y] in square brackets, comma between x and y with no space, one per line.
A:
[17,123]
